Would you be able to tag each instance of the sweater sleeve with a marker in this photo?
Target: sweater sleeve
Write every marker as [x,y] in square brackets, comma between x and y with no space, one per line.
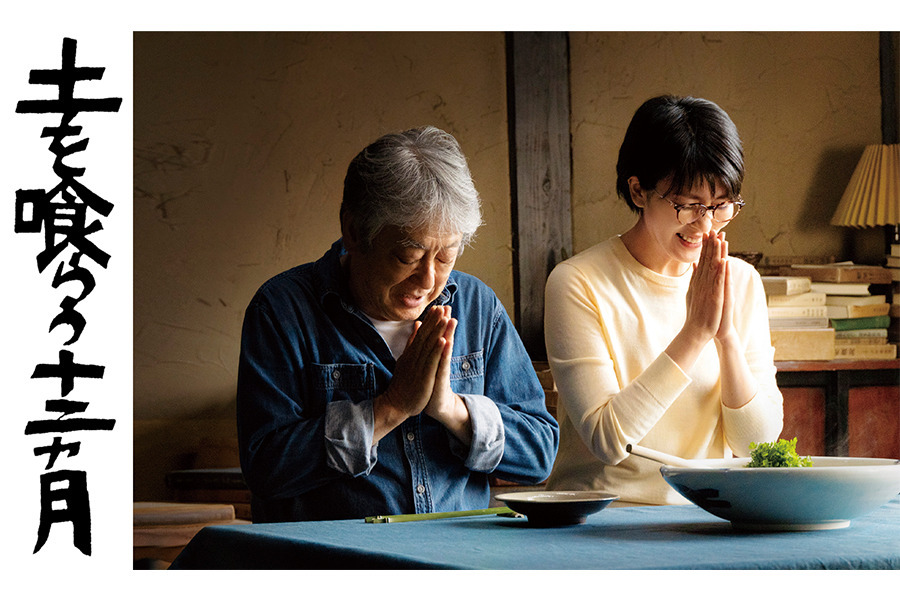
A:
[607,412]
[761,419]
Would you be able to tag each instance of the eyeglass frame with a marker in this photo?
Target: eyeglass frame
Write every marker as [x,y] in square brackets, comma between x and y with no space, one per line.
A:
[738,202]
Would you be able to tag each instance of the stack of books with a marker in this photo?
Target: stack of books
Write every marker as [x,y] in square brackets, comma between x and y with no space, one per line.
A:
[798,319]
[860,319]
[892,264]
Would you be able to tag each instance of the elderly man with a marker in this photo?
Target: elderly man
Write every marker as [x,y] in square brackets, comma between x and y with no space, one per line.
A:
[378,380]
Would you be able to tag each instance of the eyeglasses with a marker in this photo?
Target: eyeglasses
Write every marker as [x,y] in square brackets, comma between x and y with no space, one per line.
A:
[690,213]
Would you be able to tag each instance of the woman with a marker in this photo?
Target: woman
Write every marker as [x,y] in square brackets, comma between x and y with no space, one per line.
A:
[657,337]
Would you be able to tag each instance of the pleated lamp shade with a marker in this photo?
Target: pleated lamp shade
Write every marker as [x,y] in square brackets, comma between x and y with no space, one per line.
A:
[872,197]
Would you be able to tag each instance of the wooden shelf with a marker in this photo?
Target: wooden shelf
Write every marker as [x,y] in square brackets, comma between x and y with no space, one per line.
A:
[839,365]
[842,407]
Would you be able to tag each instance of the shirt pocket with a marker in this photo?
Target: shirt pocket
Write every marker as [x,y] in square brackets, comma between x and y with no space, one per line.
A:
[343,381]
[467,373]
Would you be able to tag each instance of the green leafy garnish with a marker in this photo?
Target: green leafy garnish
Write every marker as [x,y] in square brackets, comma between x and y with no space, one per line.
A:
[782,453]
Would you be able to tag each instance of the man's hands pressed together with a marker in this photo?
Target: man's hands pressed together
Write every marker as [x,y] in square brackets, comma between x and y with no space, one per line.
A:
[421,380]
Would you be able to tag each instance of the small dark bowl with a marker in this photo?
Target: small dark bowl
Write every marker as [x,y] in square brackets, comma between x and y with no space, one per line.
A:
[556,509]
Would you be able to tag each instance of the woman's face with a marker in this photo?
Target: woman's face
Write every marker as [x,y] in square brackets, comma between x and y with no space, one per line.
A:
[668,246]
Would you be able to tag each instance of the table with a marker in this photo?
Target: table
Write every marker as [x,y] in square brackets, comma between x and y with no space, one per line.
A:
[652,537]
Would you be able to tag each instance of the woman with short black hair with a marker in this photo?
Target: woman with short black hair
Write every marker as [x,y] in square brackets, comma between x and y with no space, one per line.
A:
[657,337]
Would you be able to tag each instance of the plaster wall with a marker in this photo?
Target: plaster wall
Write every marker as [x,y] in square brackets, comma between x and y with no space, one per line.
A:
[805,105]
[241,143]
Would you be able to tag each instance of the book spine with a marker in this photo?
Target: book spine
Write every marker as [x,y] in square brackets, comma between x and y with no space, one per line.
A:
[880,322]
[803,344]
[798,322]
[861,333]
[866,351]
[838,274]
[804,299]
[788,260]
[797,311]
[832,300]
[858,341]
[786,286]
[841,289]
[857,311]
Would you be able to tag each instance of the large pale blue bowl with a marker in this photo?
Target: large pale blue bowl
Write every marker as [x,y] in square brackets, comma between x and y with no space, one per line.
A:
[827,495]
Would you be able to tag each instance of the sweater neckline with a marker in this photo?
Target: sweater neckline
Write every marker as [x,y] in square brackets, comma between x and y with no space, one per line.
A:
[633,265]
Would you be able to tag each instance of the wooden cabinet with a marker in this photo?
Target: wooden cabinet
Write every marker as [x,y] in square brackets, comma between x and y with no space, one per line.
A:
[842,407]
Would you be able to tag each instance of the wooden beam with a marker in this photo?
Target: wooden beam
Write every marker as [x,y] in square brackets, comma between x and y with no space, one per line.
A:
[889,59]
[540,172]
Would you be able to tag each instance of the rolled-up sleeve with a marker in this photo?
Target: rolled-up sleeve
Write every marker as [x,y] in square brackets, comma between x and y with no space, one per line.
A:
[486,448]
[349,431]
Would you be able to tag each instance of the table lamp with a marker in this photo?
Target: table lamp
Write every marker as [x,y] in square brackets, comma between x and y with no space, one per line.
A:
[872,197]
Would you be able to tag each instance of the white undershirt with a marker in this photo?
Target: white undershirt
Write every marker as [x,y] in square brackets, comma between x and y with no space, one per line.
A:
[395,334]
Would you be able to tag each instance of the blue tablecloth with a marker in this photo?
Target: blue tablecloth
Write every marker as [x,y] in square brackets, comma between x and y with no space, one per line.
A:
[658,537]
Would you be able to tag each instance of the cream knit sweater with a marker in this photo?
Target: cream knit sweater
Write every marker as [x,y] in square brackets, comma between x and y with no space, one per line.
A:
[608,320]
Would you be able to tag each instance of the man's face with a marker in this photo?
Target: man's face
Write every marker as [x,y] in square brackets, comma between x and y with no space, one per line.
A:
[402,272]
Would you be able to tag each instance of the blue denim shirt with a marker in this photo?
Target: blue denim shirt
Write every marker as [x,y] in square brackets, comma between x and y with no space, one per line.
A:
[311,365]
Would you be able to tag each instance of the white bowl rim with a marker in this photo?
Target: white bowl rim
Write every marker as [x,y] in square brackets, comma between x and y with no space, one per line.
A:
[557,496]
[739,464]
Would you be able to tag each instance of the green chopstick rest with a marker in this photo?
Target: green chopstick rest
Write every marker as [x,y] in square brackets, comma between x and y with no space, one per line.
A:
[500,510]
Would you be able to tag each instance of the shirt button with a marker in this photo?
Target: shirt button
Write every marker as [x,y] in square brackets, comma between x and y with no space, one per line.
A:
[466,366]
[410,436]
[420,488]
[335,375]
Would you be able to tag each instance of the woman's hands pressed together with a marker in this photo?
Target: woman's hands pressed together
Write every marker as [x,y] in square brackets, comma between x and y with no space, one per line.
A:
[710,305]
[710,315]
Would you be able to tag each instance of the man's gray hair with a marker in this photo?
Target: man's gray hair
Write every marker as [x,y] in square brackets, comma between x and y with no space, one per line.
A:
[412,179]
